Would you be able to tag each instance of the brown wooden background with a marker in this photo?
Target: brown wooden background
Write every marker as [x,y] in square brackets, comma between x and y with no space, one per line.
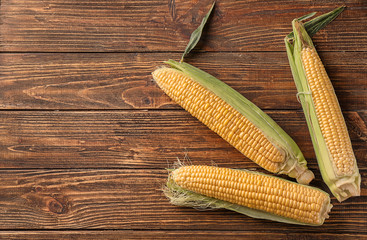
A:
[85,135]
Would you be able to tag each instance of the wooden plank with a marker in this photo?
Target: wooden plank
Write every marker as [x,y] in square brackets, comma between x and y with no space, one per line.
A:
[138,139]
[124,81]
[141,26]
[132,199]
[166,234]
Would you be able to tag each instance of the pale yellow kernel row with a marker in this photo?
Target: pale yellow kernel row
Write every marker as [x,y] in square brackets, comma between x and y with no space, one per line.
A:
[328,111]
[220,117]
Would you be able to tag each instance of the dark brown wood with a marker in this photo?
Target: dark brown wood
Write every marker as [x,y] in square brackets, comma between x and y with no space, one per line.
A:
[143,26]
[132,199]
[86,135]
[124,81]
[167,234]
[138,139]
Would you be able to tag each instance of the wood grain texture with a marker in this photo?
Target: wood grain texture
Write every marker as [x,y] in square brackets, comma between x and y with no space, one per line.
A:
[124,81]
[138,139]
[167,234]
[142,26]
[86,135]
[132,199]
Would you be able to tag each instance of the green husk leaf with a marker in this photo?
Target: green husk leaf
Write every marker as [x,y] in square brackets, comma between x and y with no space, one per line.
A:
[181,197]
[316,24]
[307,16]
[295,164]
[342,187]
[196,35]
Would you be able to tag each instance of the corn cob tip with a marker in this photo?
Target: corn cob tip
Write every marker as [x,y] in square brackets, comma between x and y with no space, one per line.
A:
[300,172]
[350,191]
[305,177]
[346,187]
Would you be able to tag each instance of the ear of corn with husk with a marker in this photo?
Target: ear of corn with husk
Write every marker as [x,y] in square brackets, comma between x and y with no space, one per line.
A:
[323,115]
[251,193]
[231,115]
[234,118]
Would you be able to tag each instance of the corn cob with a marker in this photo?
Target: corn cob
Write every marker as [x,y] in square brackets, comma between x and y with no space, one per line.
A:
[234,118]
[251,193]
[327,127]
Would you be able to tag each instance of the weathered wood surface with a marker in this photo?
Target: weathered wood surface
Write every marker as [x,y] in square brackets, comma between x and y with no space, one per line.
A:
[132,199]
[138,139]
[167,234]
[86,135]
[144,26]
[124,81]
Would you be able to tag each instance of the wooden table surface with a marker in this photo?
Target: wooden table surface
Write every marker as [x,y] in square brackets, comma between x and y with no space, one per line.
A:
[86,135]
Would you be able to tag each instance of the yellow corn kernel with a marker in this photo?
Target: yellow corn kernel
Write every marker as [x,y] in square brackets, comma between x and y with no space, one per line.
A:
[223,117]
[258,191]
[328,112]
